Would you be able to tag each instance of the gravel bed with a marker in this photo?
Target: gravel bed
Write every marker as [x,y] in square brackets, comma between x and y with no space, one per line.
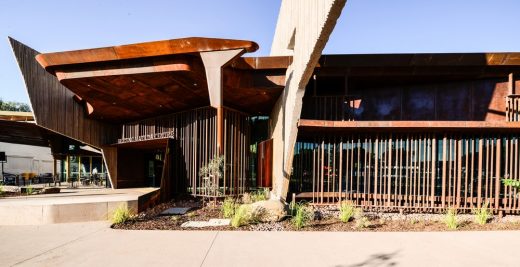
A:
[326,219]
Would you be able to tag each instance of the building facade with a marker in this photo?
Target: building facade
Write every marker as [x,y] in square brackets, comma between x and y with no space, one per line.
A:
[394,131]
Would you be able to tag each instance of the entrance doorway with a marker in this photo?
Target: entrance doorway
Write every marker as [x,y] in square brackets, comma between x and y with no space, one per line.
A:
[154,167]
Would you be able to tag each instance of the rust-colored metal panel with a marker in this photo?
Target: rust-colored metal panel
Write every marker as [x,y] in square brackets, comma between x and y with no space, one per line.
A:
[468,100]
[265,164]
[139,50]
[130,168]
[53,104]
[110,159]
[418,103]
[440,170]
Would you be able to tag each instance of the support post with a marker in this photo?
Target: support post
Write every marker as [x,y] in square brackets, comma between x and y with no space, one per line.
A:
[214,61]
[293,37]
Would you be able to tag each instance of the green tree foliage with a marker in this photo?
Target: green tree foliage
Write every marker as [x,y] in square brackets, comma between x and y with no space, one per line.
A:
[13,106]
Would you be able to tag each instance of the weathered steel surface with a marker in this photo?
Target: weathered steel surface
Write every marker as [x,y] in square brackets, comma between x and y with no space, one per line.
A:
[421,60]
[418,171]
[131,82]
[469,100]
[264,174]
[193,145]
[317,126]
[53,104]
[141,50]
[23,133]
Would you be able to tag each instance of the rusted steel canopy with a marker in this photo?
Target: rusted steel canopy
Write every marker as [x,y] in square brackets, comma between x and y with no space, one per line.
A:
[137,81]
[141,50]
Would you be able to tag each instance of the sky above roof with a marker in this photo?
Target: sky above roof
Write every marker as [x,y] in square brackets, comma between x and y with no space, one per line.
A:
[365,26]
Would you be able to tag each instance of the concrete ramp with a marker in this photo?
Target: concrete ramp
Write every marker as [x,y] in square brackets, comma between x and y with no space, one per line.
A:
[74,205]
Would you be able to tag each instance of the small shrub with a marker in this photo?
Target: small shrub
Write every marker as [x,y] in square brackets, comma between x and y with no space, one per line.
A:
[303,214]
[292,207]
[361,220]
[511,182]
[450,219]
[191,214]
[242,216]
[1,188]
[482,214]
[413,221]
[121,215]
[346,211]
[258,196]
[175,218]
[29,190]
[228,207]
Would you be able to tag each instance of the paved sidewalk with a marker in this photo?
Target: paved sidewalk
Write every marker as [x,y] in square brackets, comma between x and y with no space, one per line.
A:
[94,244]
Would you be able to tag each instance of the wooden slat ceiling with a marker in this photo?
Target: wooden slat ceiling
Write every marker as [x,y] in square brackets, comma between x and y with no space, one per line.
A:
[132,82]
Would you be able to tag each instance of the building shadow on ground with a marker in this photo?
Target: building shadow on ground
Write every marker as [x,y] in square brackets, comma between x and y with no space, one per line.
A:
[379,259]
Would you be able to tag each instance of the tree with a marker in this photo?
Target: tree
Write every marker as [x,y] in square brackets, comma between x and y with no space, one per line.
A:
[13,106]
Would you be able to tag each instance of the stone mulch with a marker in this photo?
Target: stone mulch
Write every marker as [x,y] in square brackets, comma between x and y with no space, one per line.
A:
[326,220]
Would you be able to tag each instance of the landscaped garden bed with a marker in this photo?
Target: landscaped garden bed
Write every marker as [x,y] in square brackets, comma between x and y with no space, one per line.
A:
[318,218]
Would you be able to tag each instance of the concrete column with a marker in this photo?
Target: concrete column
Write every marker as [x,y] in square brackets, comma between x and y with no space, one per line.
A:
[302,31]
[214,61]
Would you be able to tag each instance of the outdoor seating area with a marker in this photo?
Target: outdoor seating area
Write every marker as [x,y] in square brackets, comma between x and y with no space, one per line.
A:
[48,179]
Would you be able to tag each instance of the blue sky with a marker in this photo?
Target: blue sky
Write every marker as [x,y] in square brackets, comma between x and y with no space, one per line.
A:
[366,26]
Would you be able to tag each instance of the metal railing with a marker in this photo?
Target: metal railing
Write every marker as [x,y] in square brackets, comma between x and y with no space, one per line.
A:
[417,171]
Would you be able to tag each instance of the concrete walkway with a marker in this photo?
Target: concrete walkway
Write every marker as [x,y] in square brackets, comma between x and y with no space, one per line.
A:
[94,244]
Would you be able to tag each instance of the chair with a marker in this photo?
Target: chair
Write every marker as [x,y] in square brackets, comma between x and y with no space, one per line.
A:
[9,178]
[46,178]
[32,177]
[56,179]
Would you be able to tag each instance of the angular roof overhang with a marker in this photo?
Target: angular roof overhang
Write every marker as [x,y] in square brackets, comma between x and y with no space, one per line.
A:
[28,133]
[131,82]
[142,50]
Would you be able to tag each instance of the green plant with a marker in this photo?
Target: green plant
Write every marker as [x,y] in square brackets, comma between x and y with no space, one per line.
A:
[303,214]
[361,220]
[482,214]
[450,218]
[243,216]
[1,188]
[292,207]
[121,215]
[228,207]
[413,221]
[214,167]
[346,211]
[29,190]
[211,174]
[511,182]
[258,196]
[175,218]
